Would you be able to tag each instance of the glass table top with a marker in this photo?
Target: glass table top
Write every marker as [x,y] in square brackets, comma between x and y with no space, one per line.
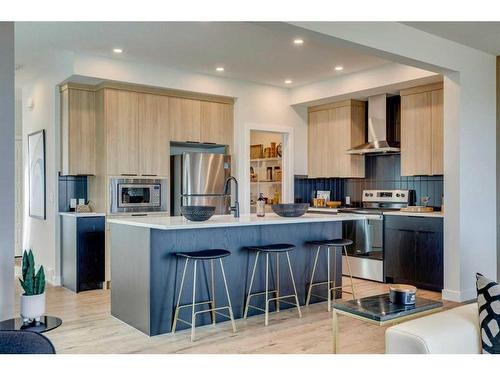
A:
[380,309]
[47,323]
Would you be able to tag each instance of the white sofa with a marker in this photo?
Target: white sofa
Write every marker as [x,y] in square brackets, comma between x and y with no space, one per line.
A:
[454,331]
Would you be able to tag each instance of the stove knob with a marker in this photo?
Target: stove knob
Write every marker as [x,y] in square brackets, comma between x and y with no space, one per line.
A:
[402,195]
[397,195]
[366,194]
[371,194]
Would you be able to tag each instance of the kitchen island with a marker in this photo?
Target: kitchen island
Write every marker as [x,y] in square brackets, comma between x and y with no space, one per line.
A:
[145,273]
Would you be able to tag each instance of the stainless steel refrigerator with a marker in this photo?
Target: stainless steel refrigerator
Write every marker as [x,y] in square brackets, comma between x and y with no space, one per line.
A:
[198,179]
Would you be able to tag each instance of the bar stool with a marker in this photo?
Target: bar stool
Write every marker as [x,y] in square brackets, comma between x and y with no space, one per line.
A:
[267,250]
[196,256]
[336,243]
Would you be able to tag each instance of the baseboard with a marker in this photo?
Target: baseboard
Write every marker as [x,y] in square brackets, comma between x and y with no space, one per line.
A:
[52,278]
[459,296]
[55,281]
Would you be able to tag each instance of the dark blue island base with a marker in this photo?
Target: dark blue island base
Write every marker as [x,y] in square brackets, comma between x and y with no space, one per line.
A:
[146,274]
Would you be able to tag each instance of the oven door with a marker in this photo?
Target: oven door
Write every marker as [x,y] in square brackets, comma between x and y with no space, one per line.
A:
[367,236]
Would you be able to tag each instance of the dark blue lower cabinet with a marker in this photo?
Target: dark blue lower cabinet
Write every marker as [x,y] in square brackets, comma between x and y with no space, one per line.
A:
[83,253]
[413,251]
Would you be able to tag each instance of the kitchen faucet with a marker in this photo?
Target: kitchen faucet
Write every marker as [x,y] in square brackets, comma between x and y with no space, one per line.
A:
[236,207]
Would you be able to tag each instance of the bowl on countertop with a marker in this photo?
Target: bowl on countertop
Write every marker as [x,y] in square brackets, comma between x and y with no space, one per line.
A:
[290,209]
[333,204]
[197,213]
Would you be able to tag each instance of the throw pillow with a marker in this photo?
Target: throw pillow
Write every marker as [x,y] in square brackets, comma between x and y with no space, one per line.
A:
[488,301]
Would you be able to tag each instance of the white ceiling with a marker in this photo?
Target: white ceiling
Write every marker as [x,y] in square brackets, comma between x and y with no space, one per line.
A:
[484,36]
[259,52]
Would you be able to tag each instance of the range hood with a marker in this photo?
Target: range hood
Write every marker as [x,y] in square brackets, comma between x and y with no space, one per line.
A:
[379,129]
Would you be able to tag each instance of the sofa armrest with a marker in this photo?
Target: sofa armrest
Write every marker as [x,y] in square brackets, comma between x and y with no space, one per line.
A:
[454,331]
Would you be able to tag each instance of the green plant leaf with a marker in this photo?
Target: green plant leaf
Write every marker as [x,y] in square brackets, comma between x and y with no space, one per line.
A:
[31,260]
[25,264]
[39,281]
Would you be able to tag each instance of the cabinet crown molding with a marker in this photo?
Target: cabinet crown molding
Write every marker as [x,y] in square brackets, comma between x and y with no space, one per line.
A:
[420,89]
[343,103]
[144,89]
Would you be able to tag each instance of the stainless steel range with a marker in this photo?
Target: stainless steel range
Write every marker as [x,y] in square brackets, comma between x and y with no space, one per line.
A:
[367,251]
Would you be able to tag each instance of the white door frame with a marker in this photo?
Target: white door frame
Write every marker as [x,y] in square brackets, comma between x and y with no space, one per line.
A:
[244,162]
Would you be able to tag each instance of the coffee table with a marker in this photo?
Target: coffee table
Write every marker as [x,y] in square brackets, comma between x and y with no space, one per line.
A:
[380,311]
[47,323]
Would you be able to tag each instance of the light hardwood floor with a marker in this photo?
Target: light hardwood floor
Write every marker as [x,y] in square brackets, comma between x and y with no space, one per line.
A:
[88,327]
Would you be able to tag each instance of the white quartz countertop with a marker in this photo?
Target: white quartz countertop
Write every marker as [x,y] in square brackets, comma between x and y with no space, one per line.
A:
[179,222]
[323,209]
[82,214]
[437,214]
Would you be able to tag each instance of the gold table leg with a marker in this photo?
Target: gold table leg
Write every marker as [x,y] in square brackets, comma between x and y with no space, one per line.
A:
[335,332]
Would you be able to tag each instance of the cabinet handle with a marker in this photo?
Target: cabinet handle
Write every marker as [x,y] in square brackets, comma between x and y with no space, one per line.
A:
[149,175]
[128,174]
[192,142]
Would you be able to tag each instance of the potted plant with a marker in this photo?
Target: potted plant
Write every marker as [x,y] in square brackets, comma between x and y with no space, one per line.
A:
[33,298]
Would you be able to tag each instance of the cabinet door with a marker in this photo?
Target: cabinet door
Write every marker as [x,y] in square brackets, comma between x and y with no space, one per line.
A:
[317,150]
[437,132]
[336,140]
[416,134]
[217,123]
[78,132]
[185,120]
[121,116]
[429,260]
[154,142]
[399,254]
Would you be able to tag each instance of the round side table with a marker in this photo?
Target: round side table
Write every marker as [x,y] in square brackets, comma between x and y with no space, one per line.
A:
[46,323]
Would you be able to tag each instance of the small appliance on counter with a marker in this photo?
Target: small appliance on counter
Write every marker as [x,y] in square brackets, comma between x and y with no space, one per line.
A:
[137,195]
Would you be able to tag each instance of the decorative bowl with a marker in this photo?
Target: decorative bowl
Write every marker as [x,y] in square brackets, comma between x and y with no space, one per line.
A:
[197,213]
[290,209]
[333,204]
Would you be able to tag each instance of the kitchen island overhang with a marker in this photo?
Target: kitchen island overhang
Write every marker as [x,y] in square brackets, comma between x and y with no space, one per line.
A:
[145,272]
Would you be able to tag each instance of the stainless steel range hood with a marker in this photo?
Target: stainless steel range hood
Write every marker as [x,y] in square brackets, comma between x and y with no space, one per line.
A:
[378,141]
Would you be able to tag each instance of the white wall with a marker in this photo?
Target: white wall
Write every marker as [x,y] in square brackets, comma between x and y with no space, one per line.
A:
[42,236]
[7,131]
[469,139]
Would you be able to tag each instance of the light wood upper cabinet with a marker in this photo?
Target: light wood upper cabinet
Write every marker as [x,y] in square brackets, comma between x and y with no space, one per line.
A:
[217,123]
[333,129]
[121,122]
[77,132]
[185,120]
[422,131]
[318,127]
[154,138]
[437,132]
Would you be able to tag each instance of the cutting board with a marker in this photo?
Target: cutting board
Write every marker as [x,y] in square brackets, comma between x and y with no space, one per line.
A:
[417,209]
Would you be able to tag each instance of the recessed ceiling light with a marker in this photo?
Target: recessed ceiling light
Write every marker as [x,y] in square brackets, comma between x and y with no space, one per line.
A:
[220,69]
[298,41]
[338,68]
[288,81]
[117,50]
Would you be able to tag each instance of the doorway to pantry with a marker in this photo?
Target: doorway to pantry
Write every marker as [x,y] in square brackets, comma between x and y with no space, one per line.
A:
[266,168]
[267,165]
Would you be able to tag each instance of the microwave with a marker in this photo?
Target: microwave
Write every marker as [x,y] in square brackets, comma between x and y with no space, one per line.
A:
[138,195]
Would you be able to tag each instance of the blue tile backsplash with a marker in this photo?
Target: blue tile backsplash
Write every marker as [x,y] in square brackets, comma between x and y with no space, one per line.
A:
[71,187]
[382,172]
